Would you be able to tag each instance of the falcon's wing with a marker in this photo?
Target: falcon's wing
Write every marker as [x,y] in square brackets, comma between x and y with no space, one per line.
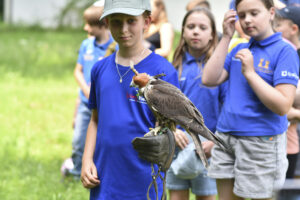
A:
[170,102]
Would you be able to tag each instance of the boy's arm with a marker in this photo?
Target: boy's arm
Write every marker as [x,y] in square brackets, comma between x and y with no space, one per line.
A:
[214,73]
[78,73]
[297,97]
[89,177]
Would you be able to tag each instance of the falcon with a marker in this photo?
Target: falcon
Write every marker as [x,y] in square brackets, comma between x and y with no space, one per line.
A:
[171,107]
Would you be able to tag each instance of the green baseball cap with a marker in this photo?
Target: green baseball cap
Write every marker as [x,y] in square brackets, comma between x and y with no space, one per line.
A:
[128,7]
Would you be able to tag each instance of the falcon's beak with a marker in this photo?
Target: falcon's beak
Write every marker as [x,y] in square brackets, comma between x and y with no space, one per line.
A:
[132,84]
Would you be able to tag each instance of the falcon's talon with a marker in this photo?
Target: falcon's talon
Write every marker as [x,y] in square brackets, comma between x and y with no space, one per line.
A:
[153,131]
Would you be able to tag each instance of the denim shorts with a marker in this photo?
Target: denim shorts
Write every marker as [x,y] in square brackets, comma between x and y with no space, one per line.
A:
[202,185]
[257,164]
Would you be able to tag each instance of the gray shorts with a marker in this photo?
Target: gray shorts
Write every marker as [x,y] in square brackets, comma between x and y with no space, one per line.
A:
[258,164]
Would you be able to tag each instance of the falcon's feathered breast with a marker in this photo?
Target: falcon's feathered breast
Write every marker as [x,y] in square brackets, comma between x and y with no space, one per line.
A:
[171,107]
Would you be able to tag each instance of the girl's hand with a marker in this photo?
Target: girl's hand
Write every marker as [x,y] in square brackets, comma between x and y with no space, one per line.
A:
[246,58]
[207,147]
[181,139]
[229,23]
[89,177]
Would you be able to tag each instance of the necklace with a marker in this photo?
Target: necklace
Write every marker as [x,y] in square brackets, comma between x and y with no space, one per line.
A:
[116,61]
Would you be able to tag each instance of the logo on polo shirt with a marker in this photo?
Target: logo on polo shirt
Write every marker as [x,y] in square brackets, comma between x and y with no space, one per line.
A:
[88,56]
[263,66]
[289,74]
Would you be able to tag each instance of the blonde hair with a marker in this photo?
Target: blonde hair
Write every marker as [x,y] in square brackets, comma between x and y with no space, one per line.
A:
[182,47]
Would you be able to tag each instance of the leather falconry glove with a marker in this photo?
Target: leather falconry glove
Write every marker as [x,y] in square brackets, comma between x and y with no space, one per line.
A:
[158,149]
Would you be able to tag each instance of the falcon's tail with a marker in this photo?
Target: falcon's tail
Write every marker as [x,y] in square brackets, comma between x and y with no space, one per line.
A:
[199,149]
[214,138]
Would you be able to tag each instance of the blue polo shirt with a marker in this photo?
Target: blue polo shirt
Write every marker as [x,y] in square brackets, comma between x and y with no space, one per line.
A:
[122,116]
[89,53]
[208,100]
[243,114]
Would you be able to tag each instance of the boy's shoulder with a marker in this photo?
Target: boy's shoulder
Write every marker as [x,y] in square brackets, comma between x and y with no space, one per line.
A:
[160,63]
[88,41]
[103,63]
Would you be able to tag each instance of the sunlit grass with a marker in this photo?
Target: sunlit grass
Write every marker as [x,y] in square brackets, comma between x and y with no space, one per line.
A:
[37,99]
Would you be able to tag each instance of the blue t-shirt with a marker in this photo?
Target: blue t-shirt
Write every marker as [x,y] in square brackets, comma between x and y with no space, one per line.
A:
[208,100]
[243,114]
[122,116]
[89,53]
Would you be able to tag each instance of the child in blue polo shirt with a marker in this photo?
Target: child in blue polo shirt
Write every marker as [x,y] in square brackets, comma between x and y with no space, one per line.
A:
[110,165]
[197,42]
[262,78]
[91,50]
[288,23]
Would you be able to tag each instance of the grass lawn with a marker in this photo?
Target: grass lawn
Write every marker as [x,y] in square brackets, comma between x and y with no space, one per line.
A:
[37,99]
[38,94]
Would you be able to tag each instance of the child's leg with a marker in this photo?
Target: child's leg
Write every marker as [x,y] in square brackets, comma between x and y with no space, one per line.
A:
[179,194]
[225,189]
[178,188]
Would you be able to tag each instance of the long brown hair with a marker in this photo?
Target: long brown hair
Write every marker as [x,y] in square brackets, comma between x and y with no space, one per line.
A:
[182,46]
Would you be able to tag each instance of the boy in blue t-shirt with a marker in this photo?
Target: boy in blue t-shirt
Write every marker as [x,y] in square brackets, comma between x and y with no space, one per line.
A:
[92,49]
[110,165]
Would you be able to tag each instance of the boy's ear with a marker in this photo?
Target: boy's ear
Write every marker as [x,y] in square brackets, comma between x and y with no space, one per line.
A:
[295,29]
[272,12]
[147,22]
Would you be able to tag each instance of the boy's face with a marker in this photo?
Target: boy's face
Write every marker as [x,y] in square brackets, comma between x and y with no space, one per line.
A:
[127,30]
[284,26]
[93,30]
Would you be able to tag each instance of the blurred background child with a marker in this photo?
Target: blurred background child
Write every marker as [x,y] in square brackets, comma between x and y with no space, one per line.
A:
[160,35]
[288,23]
[91,50]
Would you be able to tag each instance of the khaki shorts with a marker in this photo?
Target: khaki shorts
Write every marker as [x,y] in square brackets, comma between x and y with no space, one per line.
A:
[258,164]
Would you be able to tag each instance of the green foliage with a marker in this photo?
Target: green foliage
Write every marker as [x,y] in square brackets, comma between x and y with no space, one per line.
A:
[38,93]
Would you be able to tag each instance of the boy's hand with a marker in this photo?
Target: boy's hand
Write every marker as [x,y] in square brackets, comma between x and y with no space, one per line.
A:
[181,139]
[246,58]
[89,177]
[229,23]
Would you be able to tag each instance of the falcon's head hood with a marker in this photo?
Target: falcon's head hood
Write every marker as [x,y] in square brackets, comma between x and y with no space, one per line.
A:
[140,80]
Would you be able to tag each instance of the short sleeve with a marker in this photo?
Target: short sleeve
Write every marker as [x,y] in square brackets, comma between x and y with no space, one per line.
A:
[287,67]
[92,104]
[81,54]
